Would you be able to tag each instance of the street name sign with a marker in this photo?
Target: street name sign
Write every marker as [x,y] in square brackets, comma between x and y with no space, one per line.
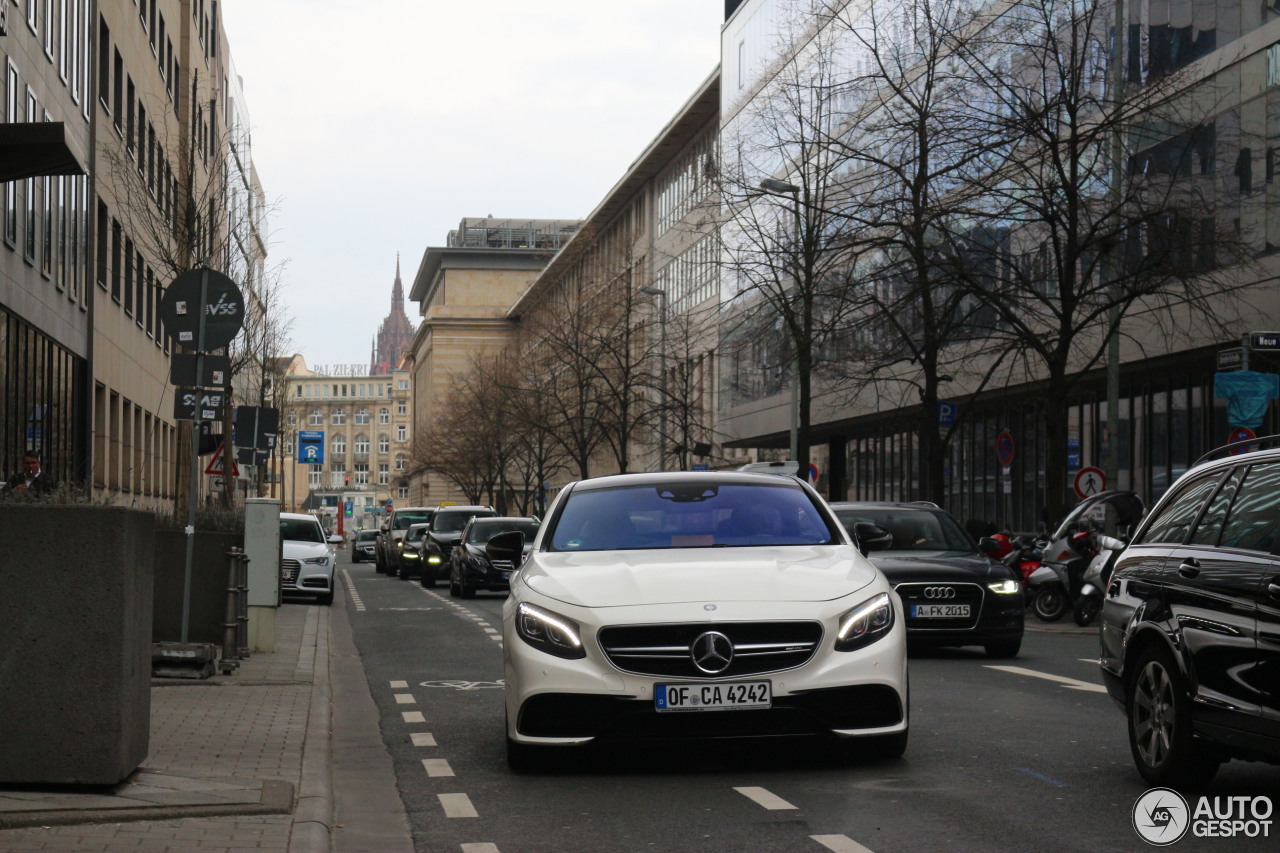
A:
[1264,340]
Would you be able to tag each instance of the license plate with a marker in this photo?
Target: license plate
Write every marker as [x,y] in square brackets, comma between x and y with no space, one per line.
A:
[733,696]
[939,611]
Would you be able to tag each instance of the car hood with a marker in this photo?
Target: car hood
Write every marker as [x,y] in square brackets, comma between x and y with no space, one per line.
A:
[623,578]
[934,566]
[296,550]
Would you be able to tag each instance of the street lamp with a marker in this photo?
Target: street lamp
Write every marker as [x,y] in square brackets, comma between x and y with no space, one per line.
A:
[662,421]
[776,187]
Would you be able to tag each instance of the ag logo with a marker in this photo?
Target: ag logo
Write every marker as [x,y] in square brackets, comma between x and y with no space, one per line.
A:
[1161,816]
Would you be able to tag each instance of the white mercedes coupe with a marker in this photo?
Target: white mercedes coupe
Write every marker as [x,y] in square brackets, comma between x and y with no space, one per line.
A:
[698,605]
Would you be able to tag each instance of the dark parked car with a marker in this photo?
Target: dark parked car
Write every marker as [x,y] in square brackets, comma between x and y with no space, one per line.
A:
[444,535]
[365,545]
[409,555]
[391,542]
[1191,623]
[471,569]
[953,593]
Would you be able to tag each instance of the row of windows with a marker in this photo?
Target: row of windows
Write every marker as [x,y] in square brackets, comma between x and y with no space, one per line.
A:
[64,29]
[123,271]
[690,278]
[338,417]
[338,444]
[361,389]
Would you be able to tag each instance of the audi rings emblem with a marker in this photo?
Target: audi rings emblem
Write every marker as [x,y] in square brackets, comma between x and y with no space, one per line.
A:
[936,592]
[712,652]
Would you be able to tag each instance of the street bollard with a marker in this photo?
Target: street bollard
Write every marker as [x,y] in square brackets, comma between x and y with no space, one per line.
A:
[228,663]
[242,618]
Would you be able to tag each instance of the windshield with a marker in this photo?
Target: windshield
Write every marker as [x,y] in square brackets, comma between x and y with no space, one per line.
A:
[482,531]
[453,522]
[301,530]
[911,529]
[696,514]
[366,535]
[404,519]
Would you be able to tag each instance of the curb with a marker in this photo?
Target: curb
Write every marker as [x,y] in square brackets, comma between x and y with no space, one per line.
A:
[313,816]
[277,798]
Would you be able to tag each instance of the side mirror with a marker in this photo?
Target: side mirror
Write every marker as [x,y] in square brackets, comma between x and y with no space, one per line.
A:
[506,546]
[988,545]
[384,528]
[335,539]
[871,537]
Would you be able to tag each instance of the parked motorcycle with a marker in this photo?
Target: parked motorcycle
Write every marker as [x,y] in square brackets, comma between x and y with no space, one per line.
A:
[1096,577]
[1025,556]
[1058,585]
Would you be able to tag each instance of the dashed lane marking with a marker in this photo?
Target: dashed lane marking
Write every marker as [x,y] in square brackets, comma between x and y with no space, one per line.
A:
[764,798]
[457,805]
[437,767]
[400,684]
[423,739]
[840,844]
[405,699]
[351,591]
[413,716]
[482,847]
[1069,683]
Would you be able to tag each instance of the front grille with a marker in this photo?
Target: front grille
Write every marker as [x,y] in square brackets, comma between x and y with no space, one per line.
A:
[289,571]
[964,593]
[665,650]
[503,565]
[854,707]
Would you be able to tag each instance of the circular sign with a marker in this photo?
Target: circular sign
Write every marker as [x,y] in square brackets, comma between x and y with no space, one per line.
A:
[1239,435]
[813,473]
[182,308]
[1089,482]
[1004,448]
[1161,817]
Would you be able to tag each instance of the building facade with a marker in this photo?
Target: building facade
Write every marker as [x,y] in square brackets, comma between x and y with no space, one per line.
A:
[152,112]
[362,424]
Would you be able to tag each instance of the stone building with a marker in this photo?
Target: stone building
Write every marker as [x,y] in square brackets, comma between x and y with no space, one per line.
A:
[395,336]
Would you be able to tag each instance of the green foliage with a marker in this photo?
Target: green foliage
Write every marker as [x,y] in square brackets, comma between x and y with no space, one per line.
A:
[211,517]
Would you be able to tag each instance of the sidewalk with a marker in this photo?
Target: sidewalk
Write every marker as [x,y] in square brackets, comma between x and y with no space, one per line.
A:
[236,762]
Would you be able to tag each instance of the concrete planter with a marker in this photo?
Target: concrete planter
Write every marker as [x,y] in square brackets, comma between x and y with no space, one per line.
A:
[208,585]
[75,643]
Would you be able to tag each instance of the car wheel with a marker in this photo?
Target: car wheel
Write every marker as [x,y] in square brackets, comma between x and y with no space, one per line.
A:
[428,577]
[1007,648]
[1159,720]
[454,590]
[1050,603]
[355,558]
[402,573]
[878,748]
[326,599]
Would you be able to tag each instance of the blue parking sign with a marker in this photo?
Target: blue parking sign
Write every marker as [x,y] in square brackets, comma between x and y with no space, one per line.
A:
[311,447]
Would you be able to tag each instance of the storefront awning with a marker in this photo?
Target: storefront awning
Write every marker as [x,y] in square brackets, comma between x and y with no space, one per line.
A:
[31,149]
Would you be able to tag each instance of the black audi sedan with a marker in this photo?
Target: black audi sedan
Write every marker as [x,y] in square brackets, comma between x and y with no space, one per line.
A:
[952,593]
[1191,621]
[471,569]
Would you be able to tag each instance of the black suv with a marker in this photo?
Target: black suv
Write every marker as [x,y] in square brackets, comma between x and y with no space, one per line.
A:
[470,566]
[953,594]
[444,535]
[1191,622]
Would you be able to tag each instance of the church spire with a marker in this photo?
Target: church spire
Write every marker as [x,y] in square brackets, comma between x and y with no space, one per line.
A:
[397,291]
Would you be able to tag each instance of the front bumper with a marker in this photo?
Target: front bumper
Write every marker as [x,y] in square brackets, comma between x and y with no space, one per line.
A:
[553,701]
[993,616]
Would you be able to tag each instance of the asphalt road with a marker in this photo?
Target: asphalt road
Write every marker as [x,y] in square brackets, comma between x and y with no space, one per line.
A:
[1028,754]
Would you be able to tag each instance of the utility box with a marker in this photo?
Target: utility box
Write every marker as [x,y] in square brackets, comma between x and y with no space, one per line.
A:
[263,547]
[75,643]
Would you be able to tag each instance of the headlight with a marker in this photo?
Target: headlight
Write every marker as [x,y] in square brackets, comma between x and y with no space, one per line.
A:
[400,543]
[434,558]
[865,624]
[549,632]
[1005,587]
[317,561]
[411,555]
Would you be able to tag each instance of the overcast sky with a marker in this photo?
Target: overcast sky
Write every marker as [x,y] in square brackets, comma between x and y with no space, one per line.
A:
[378,125]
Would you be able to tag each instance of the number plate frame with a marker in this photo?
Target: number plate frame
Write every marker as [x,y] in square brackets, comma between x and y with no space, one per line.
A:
[713,696]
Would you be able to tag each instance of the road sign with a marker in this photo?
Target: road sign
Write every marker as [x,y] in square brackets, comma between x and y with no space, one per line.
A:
[215,369]
[1264,340]
[217,466]
[1231,359]
[311,447]
[181,309]
[1004,448]
[1239,436]
[194,404]
[813,473]
[1089,482]
[947,413]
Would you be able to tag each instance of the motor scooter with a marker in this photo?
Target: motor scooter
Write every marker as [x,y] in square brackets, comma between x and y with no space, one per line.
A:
[1097,575]
[1056,587]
